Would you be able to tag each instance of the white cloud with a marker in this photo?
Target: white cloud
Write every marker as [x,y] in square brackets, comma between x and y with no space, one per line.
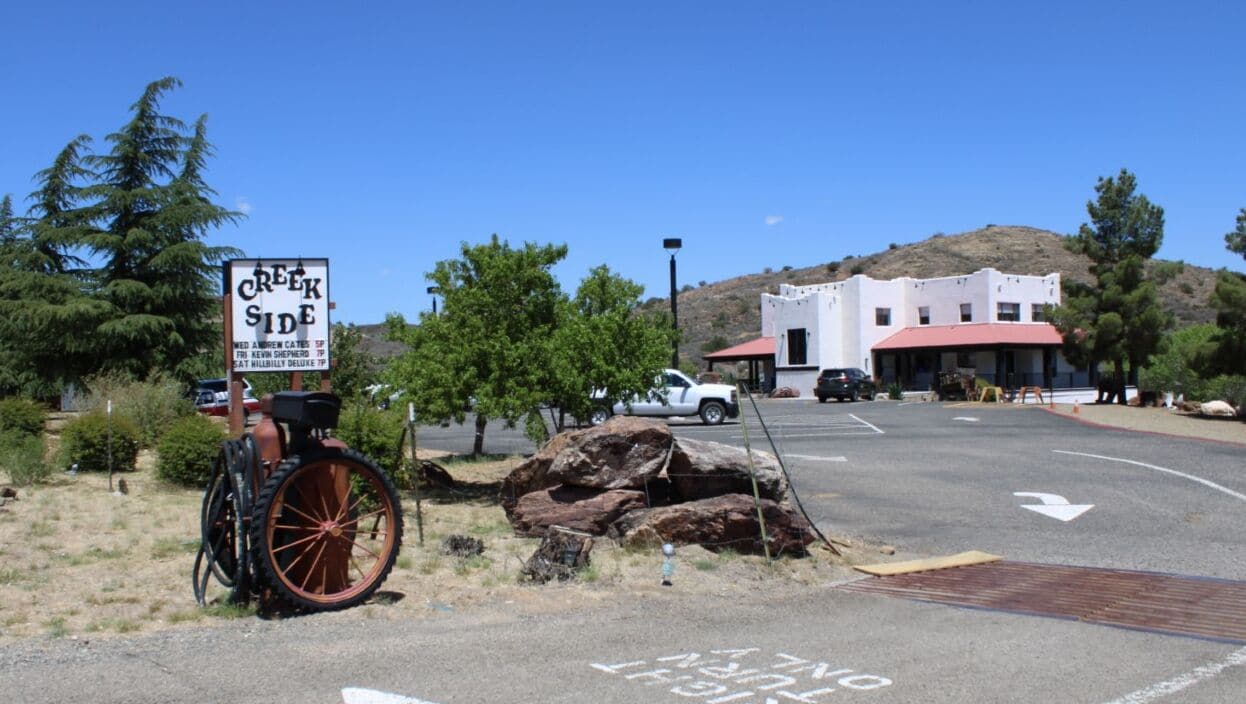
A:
[774,219]
[242,205]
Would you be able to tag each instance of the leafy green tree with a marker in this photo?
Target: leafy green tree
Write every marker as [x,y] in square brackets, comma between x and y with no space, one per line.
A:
[605,343]
[150,213]
[489,349]
[1118,320]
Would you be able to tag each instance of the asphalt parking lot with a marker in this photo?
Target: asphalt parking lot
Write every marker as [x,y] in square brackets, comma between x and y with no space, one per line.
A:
[928,479]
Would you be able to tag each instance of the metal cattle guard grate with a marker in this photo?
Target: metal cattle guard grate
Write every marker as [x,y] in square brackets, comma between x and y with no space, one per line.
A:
[1208,608]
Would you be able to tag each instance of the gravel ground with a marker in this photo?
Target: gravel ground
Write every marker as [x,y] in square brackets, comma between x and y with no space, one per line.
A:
[1158,420]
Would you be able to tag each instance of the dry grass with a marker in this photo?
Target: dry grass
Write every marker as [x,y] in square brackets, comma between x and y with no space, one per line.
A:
[77,561]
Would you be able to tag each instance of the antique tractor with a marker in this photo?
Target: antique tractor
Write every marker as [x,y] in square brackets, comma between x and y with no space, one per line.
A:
[295,514]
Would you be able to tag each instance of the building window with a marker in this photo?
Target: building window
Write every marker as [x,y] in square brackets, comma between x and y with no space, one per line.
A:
[1036,313]
[796,349]
[1008,312]
[923,315]
[966,312]
[964,360]
[882,317]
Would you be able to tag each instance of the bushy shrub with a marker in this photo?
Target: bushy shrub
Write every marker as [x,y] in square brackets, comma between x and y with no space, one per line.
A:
[895,392]
[1227,388]
[85,442]
[151,406]
[20,415]
[857,269]
[188,449]
[21,457]
[375,433]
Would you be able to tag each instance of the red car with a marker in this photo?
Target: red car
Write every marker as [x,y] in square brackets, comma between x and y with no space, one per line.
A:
[211,397]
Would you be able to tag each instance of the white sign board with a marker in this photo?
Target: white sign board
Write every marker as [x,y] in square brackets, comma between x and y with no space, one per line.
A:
[280,314]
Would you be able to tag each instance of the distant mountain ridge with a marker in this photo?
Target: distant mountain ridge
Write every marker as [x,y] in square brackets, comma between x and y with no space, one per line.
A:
[729,311]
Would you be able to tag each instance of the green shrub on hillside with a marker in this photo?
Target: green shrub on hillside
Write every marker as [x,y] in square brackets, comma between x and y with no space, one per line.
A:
[21,457]
[188,449]
[21,416]
[85,442]
[152,405]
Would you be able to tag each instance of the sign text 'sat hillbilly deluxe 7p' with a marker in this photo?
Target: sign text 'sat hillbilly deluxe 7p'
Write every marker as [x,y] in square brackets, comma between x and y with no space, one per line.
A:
[280,314]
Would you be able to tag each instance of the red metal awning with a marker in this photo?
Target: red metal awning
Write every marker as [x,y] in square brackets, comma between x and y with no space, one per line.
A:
[972,335]
[753,349]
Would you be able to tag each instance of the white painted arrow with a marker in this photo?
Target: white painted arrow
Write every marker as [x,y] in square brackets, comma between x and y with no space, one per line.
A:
[967,419]
[1054,506]
[358,695]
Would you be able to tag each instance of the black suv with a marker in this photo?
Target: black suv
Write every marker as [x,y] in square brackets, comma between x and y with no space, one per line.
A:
[844,383]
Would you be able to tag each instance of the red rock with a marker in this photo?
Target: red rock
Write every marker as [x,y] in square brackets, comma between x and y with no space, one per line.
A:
[587,510]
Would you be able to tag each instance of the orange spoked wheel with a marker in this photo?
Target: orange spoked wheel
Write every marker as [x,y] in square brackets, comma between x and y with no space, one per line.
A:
[326,529]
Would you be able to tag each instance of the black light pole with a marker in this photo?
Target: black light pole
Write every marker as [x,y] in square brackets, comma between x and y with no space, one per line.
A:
[672,245]
[433,291]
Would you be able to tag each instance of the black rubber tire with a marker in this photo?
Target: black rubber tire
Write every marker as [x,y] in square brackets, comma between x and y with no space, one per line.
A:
[854,396]
[821,399]
[599,415]
[713,413]
[282,489]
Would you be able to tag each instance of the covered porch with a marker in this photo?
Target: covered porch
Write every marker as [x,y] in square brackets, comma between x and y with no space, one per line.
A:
[1007,355]
[758,354]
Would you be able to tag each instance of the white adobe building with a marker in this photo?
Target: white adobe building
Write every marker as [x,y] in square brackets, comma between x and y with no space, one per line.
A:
[907,330]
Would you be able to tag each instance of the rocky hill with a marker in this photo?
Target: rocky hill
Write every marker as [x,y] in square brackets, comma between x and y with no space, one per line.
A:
[729,311]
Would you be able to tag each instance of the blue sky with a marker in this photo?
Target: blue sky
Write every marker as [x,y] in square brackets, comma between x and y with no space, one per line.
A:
[383,135]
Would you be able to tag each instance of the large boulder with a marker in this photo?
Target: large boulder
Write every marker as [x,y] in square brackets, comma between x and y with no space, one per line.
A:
[701,470]
[623,453]
[587,510]
[722,522]
[532,474]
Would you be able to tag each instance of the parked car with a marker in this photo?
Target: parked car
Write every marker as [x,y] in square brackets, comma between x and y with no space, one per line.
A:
[714,403]
[211,397]
[844,384]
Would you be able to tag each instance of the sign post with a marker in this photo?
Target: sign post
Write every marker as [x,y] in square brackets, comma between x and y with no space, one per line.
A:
[276,320]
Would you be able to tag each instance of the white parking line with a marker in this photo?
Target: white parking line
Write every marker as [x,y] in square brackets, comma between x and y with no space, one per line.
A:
[817,458]
[867,424]
[1180,682]
[1183,475]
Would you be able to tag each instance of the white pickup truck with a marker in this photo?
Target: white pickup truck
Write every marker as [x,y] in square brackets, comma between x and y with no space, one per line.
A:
[676,395]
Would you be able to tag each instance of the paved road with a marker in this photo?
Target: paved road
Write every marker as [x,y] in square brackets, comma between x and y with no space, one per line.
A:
[928,478]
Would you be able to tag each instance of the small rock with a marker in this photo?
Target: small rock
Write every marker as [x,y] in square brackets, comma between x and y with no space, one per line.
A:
[8,492]
[1217,408]
[887,550]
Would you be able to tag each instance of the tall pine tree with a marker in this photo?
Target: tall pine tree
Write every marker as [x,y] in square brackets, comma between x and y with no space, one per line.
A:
[1119,319]
[1227,354]
[151,213]
[46,311]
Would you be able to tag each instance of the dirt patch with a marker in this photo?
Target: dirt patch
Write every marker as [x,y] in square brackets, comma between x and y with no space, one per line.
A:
[1157,420]
[77,561]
